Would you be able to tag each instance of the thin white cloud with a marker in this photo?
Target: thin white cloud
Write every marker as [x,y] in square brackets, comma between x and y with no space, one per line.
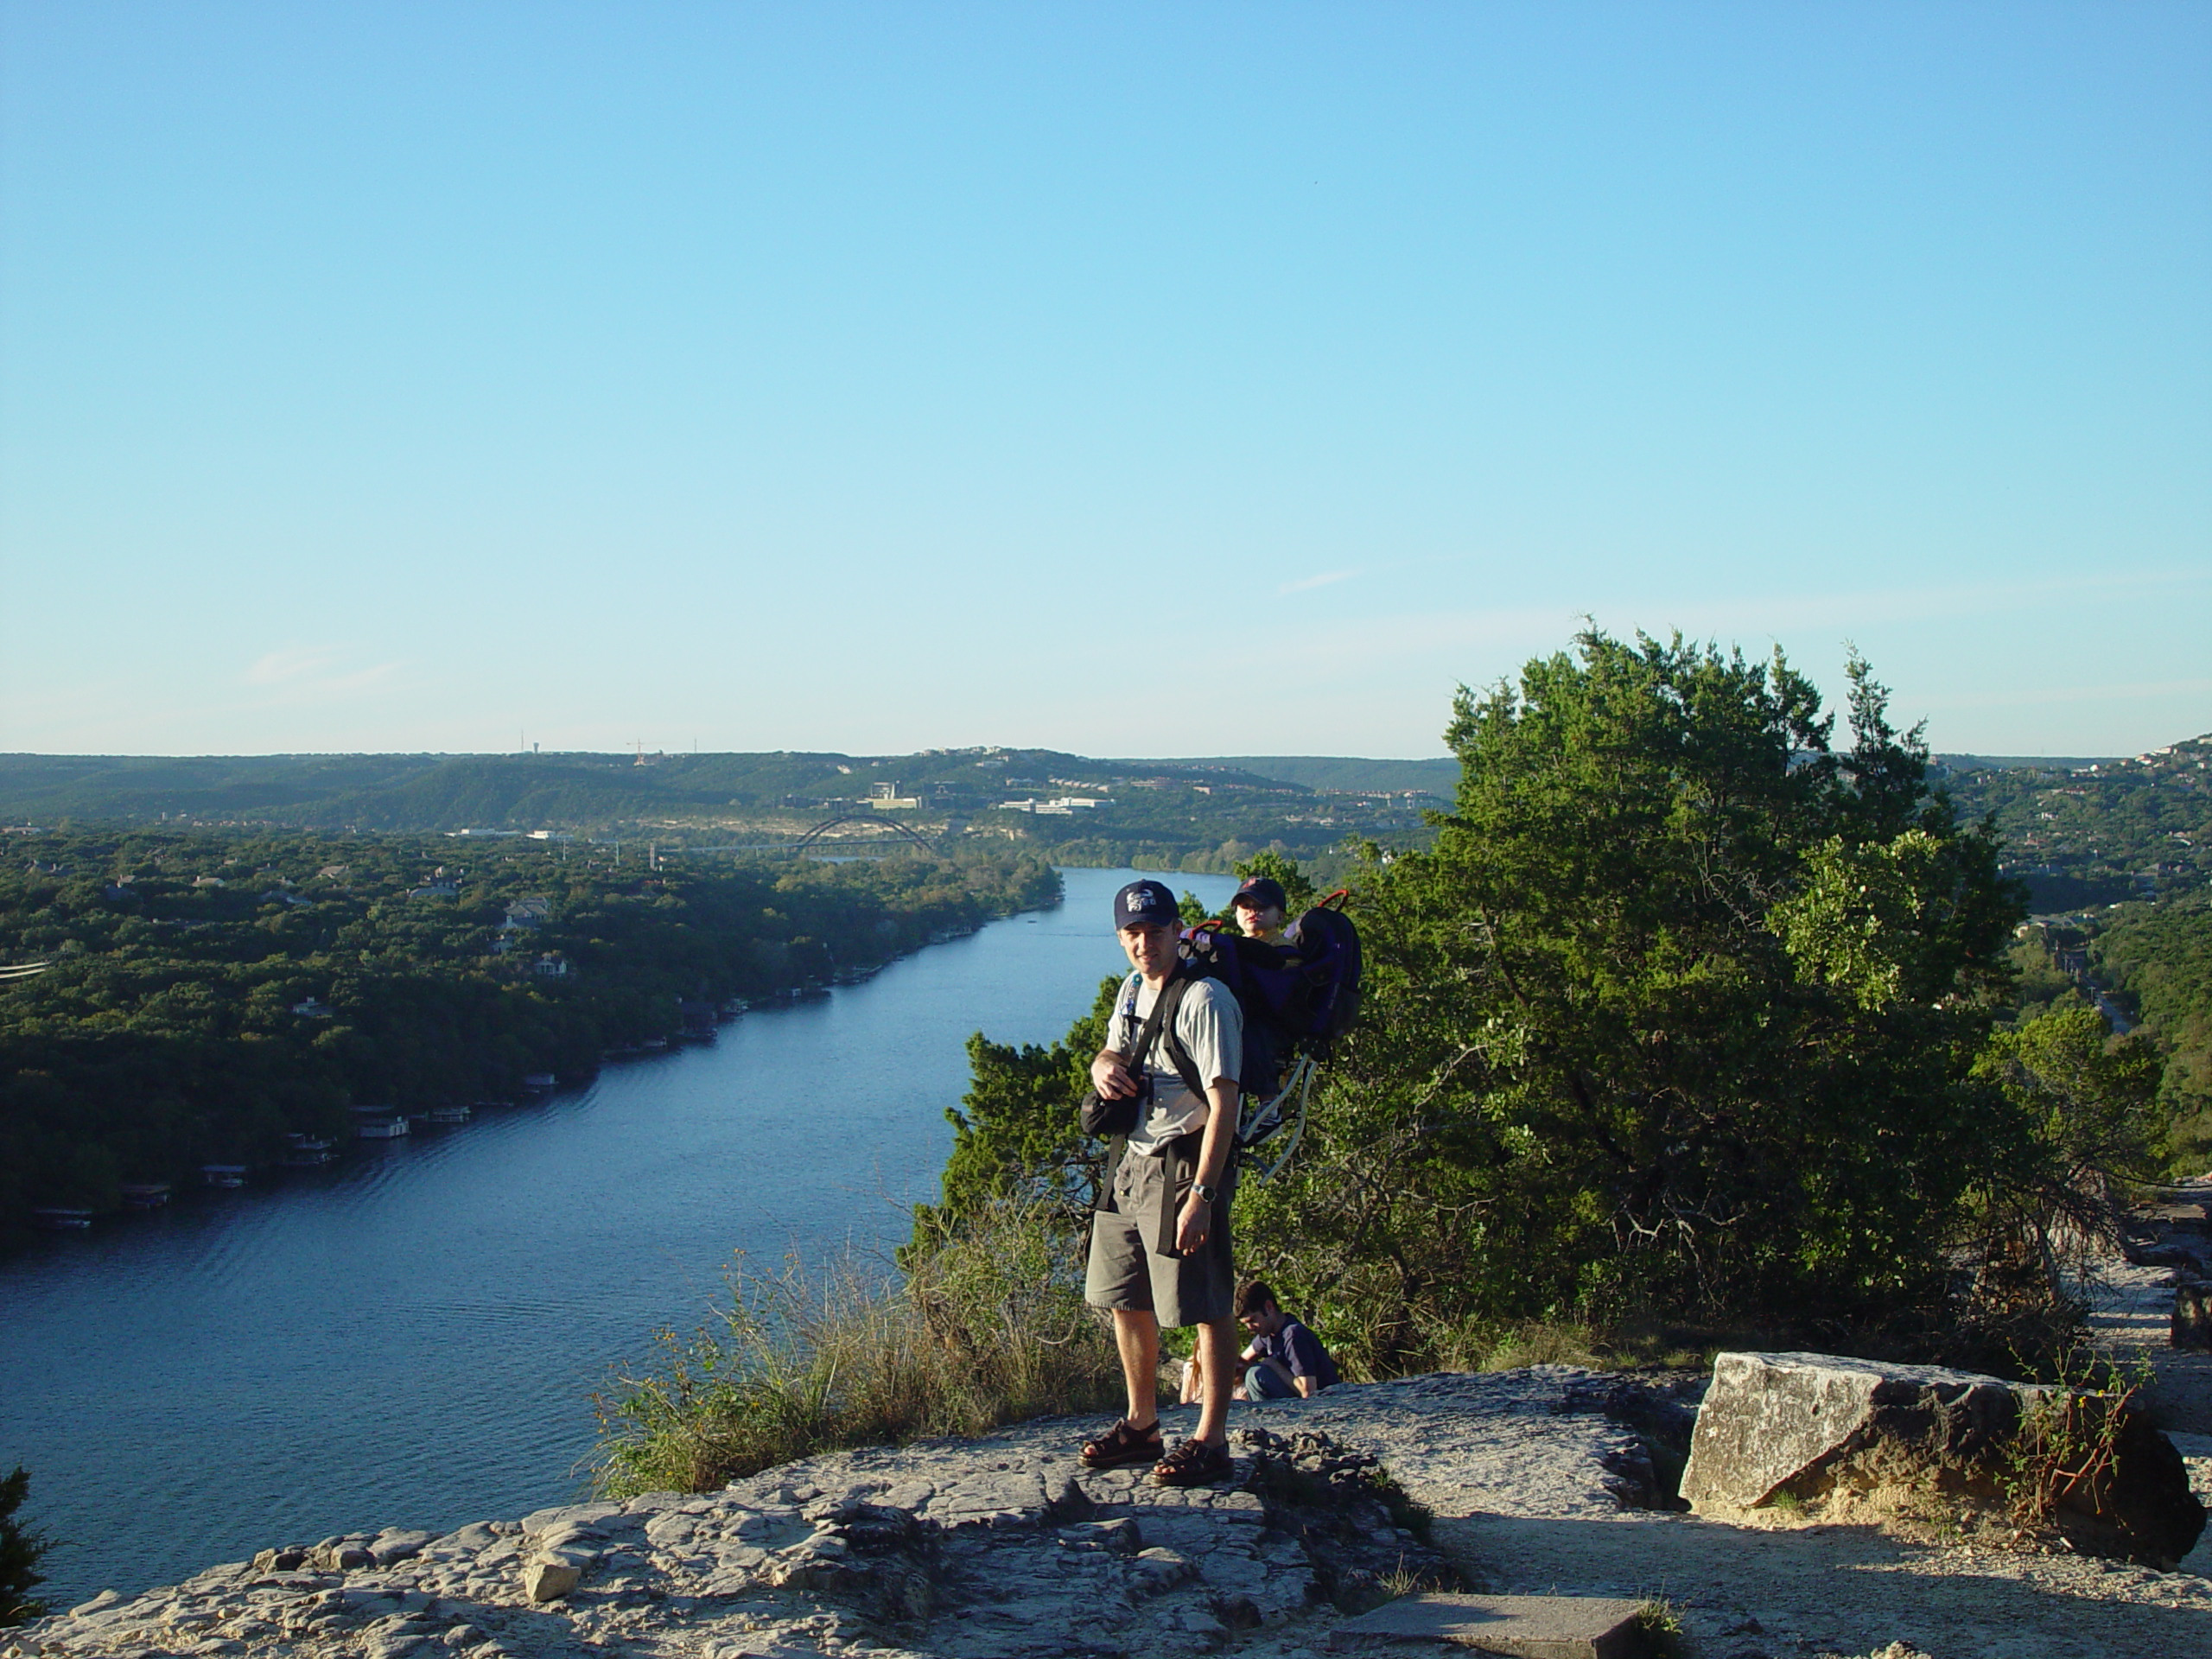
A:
[361,679]
[1304,583]
[1396,638]
[311,672]
[290,663]
[1751,617]
[2115,692]
[1748,619]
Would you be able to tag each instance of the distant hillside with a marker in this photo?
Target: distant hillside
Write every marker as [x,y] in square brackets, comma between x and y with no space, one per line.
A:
[2086,834]
[424,793]
[1336,774]
[2080,832]
[2012,762]
[1075,810]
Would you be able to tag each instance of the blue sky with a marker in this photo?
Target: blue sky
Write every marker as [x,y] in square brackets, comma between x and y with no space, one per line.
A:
[1129,379]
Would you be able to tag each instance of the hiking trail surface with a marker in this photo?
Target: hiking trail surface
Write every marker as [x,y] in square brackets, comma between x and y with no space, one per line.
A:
[1005,1547]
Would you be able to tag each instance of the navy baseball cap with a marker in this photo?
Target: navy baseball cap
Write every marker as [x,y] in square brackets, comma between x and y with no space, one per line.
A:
[1146,902]
[1261,892]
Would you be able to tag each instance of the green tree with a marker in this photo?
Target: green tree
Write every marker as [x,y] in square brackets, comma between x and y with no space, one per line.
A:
[2088,1103]
[2091,1100]
[1014,1134]
[2160,960]
[1685,1012]
[20,1549]
[1677,1015]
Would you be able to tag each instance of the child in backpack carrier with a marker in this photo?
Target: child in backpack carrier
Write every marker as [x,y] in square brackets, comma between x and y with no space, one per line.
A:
[1262,909]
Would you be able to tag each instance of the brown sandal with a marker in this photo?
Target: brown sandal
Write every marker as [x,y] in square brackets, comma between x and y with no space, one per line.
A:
[1193,1462]
[1124,1443]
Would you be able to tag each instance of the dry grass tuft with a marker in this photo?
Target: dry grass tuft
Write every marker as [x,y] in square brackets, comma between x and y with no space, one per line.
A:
[987,1327]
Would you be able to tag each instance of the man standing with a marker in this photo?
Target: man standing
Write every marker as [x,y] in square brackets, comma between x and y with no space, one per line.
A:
[1160,1247]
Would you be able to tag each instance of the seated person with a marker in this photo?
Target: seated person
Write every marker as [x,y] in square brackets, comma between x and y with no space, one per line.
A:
[1286,1360]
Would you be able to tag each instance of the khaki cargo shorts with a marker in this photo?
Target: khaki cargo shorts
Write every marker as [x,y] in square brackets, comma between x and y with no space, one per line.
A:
[1130,1270]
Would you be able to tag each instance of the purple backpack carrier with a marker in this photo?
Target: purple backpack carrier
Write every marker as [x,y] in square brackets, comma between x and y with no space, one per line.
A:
[1298,997]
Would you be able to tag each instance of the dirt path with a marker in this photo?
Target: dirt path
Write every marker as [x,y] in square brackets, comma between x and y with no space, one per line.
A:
[2130,1312]
[1518,1504]
[1746,1592]
[1782,1592]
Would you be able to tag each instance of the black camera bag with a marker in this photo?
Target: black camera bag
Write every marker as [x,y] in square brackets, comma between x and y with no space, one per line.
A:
[1108,1119]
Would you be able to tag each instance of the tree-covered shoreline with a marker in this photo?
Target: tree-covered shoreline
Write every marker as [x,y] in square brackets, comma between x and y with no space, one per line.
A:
[210,995]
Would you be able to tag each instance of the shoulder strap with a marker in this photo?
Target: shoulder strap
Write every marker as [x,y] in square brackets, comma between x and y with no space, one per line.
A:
[1163,1009]
[1125,1015]
[1170,1004]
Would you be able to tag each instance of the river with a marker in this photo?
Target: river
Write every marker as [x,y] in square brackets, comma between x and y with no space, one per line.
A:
[412,1337]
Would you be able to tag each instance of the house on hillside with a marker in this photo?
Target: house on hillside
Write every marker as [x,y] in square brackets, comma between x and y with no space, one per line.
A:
[527,912]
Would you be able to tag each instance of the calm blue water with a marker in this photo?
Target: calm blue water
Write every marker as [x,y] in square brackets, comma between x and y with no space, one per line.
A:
[412,1337]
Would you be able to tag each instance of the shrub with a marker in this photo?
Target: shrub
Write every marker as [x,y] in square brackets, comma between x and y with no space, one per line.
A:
[19,1550]
[1674,1020]
[2069,1440]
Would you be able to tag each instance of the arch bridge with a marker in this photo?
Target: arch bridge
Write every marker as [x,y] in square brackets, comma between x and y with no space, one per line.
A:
[814,837]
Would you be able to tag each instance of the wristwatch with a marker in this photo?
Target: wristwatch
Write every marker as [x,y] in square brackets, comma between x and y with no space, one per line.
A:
[1206,1194]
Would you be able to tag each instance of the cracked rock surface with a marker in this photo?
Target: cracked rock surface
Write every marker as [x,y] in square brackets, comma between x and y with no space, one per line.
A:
[1002,1547]
[1005,1545]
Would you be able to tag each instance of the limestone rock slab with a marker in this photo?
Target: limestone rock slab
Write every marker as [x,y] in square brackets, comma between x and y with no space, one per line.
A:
[397,1544]
[575,1517]
[1001,1545]
[1772,1422]
[549,1580]
[1807,1424]
[2137,1506]
[1525,1627]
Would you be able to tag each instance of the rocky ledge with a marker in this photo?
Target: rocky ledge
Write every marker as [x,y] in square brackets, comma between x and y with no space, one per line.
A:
[999,1548]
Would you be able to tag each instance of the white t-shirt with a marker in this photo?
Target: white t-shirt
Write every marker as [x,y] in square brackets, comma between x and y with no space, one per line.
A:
[1211,1027]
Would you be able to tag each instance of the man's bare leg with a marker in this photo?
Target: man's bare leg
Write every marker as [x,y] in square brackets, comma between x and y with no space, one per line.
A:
[1217,1342]
[1136,1335]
